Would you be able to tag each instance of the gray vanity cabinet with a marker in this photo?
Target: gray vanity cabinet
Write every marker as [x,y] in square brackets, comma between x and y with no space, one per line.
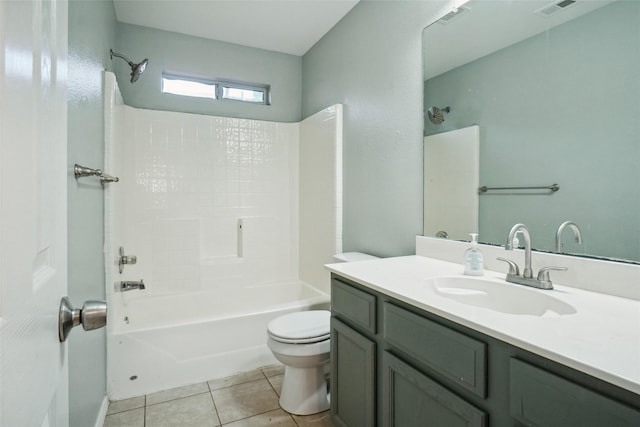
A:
[394,365]
[353,355]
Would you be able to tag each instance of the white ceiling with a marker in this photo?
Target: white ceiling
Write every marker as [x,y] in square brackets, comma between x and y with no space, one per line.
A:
[288,26]
[487,26]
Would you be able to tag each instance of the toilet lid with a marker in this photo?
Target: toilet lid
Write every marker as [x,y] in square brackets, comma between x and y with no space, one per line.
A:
[301,327]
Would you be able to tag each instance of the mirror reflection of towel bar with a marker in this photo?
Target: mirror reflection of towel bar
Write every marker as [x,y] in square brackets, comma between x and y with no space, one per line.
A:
[83,171]
[552,188]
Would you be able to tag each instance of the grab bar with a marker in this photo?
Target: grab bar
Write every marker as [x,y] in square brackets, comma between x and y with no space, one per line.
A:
[83,171]
[552,188]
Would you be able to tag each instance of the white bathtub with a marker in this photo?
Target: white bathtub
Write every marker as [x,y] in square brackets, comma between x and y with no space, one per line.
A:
[158,342]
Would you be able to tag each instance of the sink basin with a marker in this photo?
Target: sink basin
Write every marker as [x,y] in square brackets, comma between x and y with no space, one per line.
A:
[498,295]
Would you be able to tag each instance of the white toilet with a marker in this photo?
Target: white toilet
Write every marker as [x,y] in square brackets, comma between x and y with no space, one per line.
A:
[300,341]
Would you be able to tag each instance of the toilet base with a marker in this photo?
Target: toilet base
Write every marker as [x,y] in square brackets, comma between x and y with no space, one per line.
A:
[304,391]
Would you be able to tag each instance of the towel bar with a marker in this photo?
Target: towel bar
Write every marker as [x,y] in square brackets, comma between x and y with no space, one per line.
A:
[552,188]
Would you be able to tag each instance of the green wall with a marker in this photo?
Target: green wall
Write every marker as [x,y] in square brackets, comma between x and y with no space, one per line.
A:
[181,54]
[92,27]
[561,107]
[371,62]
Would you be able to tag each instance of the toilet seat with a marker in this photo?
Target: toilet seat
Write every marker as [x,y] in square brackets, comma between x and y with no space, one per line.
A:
[304,327]
[300,341]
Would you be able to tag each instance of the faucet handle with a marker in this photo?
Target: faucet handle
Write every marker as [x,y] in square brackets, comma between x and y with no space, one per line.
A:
[513,267]
[543,274]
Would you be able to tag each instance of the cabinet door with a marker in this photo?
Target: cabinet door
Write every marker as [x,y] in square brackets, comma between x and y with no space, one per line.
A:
[412,399]
[352,377]
[540,398]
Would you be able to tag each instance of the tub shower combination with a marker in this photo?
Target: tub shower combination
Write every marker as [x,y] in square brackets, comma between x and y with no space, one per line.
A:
[214,209]
[161,342]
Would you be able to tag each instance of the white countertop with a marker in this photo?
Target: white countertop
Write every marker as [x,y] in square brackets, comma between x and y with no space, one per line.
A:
[602,338]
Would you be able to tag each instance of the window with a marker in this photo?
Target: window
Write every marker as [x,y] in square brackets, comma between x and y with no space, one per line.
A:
[215,89]
[246,93]
[198,89]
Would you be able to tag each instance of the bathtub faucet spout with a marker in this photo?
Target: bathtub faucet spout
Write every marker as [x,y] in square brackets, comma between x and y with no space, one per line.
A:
[130,285]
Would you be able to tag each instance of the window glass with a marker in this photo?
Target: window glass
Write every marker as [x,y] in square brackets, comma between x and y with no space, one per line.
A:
[188,88]
[243,94]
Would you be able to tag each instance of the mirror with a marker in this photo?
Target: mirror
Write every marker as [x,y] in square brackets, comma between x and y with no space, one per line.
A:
[555,92]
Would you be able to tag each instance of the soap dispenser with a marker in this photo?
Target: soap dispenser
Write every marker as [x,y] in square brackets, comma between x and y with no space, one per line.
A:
[473,259]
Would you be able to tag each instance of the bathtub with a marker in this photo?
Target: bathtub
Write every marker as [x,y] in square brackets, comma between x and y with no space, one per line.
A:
[158,342]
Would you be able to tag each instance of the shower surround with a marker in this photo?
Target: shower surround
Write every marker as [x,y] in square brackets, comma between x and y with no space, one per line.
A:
[228,230]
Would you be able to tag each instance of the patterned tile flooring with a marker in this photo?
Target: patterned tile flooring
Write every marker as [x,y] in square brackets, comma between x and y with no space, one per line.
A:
[249,399]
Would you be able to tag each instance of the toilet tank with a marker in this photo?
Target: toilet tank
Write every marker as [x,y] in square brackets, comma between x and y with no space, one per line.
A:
[353,256]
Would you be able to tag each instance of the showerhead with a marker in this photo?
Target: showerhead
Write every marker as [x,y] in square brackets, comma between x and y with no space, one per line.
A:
[436,115]
[136,69]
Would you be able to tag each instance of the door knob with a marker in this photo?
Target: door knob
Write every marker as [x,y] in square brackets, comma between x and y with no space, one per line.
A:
[92,315]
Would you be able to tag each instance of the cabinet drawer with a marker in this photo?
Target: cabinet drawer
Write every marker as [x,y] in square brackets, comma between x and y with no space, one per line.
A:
[353,305]
[413,399]
[539,398]
[456,356]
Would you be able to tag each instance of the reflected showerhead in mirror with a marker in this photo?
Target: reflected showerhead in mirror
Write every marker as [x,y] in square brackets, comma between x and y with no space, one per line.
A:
[436,115]
[136,69]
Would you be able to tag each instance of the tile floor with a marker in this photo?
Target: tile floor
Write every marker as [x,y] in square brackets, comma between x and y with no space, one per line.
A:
[249,399]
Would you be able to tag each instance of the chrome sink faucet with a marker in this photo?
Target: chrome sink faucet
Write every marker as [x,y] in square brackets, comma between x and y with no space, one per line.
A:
[528,272]
[542,281]
[576,231]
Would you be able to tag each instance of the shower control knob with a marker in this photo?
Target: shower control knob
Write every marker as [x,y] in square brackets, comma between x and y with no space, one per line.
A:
[129,259]
[92,315]
[125,259]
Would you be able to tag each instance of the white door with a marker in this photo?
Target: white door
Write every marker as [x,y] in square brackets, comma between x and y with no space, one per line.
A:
[33,217]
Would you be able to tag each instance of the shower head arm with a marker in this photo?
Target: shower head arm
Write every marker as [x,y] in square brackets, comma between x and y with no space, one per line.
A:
[136,69]
[117,55]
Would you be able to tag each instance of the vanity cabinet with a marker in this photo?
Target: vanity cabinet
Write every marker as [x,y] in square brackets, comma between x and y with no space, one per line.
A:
[353,356]
[393,364]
